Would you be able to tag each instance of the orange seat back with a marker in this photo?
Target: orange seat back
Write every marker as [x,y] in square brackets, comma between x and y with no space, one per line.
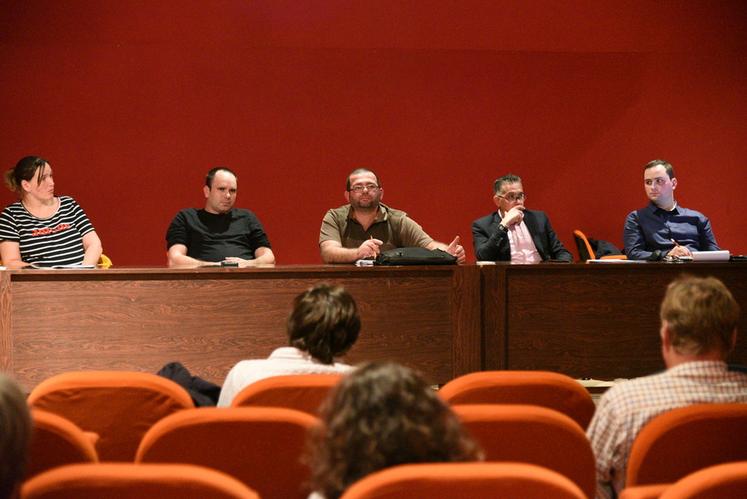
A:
[56,441]
[543,388]
[128,480]
[653,491]
[722,481]
[302,392]
[585,252]
[260,446]
[679,442]
[534,435]
[119,406]
[465,481]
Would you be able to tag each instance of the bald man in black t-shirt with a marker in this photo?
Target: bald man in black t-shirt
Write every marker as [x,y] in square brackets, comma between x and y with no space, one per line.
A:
[219,232]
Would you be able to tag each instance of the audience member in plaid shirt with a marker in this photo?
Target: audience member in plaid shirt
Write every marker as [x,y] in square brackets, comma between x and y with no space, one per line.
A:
[698,330]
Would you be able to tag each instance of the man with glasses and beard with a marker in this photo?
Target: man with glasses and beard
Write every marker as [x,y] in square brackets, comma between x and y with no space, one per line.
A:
[514,234]
[365,226]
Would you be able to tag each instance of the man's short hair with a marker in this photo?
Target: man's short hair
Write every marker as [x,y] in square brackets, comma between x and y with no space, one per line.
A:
[506,179]
[701,314]
[324,322]
[660,162]
[356,172]
[211,175]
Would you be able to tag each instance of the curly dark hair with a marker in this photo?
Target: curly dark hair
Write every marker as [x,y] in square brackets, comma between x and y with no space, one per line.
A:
[381,415]
[324,322]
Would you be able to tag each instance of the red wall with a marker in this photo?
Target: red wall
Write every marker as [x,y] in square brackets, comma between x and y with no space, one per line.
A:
[133,101]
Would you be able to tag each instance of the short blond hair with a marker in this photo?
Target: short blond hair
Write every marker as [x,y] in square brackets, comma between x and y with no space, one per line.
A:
[701,314]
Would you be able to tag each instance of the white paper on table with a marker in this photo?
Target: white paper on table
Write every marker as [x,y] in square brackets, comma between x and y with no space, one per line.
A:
[711,256]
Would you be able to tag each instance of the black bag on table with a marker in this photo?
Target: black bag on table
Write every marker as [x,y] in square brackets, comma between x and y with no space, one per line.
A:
[415,256]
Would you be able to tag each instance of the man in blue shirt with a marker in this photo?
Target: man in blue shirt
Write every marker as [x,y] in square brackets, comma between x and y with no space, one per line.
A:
[663,228]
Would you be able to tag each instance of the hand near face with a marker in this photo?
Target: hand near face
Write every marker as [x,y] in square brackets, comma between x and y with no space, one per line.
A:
[456,249]
[514,216]
[370,248]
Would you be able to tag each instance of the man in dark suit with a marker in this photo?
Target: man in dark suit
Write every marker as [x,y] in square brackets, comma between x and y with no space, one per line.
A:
[513,233]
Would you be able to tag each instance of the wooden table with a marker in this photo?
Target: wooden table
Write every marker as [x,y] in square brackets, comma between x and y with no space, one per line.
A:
[598,321]
[588,320]
[52,321]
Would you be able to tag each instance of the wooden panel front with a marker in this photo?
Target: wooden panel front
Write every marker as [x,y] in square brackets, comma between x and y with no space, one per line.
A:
[210,319]
[599,321]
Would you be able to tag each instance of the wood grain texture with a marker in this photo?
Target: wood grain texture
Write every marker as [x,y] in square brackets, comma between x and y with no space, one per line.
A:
[465,310]
[599,321]
[209,319]
[6,336]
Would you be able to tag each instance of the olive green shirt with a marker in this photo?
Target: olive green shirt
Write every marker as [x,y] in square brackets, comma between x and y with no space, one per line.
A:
[391,226]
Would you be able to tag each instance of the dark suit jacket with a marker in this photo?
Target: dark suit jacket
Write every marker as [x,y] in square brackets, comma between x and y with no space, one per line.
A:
[492,244]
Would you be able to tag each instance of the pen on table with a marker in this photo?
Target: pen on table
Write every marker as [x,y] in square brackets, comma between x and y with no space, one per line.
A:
[675,242]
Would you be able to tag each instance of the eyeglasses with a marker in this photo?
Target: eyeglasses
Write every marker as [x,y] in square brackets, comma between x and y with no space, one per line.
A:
[513,196]
[361,188]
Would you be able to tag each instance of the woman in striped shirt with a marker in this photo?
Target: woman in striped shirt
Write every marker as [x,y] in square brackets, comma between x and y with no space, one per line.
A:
[43,229]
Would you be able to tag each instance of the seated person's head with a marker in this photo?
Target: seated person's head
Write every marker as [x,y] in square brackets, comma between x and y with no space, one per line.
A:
[15,433]
[324,322]
[29,169]
[382,415]
[700,316]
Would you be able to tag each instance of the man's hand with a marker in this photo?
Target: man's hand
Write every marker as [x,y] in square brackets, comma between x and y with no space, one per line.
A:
[369,249]
[456,249]
[514,216]
[679,251]
[242,262]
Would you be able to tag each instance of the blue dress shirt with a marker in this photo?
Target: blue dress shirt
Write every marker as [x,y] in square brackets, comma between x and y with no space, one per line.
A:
[652,229]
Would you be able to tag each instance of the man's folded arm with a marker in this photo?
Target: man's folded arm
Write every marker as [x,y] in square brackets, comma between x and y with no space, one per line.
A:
[486,246]
[333,252]
[177,256]
[557,250]
[633,239]
[264,255]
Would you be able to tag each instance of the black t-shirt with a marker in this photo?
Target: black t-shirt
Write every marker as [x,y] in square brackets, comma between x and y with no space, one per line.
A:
[213,238]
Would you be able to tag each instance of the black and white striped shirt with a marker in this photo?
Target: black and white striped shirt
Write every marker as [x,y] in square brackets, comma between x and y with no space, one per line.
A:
[57,240]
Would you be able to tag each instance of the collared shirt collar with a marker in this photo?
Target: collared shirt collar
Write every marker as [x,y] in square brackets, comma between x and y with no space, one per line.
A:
[381,216]
[655,209]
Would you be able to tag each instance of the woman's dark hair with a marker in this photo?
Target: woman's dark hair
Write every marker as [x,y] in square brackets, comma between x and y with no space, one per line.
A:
[324,322]
[382,415]
[25,169]
[15,433]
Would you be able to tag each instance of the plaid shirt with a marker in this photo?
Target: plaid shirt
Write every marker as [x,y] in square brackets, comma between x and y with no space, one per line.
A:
[625,408]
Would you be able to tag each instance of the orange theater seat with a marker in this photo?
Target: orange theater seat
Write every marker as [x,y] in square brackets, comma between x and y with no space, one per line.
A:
[56,441]
[679,442]
[586,252]
[534,435]
[724,481]
[119,406]
[547,389]
[652,491]
[465,481]
[302,392]
[129,481]
[260,446]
